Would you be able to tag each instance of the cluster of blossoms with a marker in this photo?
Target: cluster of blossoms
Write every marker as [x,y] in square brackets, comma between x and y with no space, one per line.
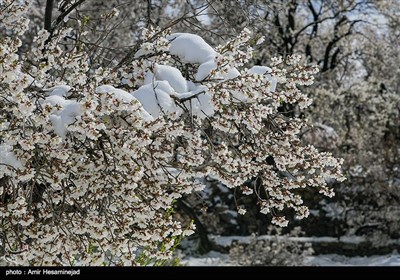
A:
[92,160]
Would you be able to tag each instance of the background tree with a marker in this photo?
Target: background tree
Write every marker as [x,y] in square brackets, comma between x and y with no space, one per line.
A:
[356,105]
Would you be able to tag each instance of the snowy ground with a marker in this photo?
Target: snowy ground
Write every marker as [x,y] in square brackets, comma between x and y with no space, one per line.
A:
[214,258]
[211,259]
[337,260]
[217,259]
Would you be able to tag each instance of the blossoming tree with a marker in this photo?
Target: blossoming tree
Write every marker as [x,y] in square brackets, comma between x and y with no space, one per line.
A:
[93,157]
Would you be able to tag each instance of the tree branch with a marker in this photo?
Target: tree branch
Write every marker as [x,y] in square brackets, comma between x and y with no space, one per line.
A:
[48,15]
[149,22]
[60,18]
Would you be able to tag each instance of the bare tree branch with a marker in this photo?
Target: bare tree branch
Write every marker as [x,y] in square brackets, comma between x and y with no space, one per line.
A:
[48,15]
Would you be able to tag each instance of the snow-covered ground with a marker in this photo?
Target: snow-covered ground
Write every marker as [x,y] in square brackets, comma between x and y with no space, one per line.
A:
[337,260]
[214,258]
[217,259]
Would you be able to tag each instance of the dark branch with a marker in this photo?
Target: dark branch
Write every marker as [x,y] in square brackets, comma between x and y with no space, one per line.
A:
[60,18]
[48,15]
